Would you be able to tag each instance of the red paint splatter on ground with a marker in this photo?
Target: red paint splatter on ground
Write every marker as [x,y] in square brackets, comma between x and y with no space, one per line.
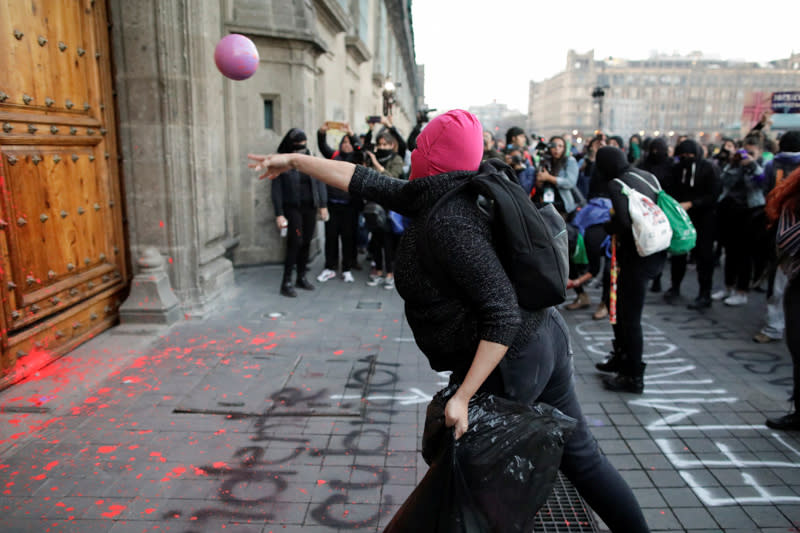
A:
[113,510]
[161,223]
[176,472]
[321,482]
[107,449]
[338,352]
[220,464]
[304,491]
[50,465]
[219,432]
[149,511]
[39,477]
[244,329]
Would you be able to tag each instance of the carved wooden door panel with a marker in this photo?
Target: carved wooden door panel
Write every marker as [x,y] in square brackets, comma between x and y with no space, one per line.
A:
[62,252]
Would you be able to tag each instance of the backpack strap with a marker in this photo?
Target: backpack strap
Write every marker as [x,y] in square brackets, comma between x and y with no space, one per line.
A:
[625,187]
[655,190]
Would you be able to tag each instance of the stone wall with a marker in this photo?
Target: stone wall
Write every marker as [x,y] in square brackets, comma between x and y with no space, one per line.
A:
[185,130]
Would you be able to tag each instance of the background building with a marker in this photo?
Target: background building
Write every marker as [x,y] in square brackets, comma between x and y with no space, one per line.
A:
[498,118]
[680,94]
[119,136]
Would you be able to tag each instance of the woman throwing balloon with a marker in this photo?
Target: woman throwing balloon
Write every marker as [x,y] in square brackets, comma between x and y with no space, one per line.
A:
[474,327]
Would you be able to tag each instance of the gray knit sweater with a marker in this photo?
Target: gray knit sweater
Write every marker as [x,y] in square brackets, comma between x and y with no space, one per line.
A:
[449,322]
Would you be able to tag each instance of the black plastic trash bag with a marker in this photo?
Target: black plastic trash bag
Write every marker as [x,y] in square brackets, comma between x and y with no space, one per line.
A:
[495,477]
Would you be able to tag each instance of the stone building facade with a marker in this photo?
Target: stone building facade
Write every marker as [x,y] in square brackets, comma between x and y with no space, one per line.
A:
[185,130]
[680,94]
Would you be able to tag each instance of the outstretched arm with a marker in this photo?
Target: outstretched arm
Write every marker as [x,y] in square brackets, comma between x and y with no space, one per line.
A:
[334,173]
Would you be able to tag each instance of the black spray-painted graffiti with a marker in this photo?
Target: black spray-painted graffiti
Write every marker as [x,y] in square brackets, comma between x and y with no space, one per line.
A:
[273,475]
[764,363]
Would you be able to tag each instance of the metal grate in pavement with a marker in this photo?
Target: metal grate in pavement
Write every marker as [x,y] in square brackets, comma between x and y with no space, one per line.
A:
[565,511]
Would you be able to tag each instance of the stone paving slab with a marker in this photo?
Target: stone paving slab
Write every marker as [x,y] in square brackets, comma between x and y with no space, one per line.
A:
[101,440]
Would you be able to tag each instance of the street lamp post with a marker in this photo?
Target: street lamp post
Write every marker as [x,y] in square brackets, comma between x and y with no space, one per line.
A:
[598,94]
[389,92]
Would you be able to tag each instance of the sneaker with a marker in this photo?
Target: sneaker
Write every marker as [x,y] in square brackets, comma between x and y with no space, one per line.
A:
[601,312]
[388,284]
[325,275]
[699,303]
[721,294]
[347,276]
[375,281]
[760,338]
[736,299]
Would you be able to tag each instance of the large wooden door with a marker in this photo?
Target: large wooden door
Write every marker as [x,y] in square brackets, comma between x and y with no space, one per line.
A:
[62,252]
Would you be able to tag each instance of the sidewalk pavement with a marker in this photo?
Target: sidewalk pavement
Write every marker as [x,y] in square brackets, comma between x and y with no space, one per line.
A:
[279,414]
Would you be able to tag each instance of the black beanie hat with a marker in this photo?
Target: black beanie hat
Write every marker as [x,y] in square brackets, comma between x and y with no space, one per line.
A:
[611,162]
[689,147]
[790,141]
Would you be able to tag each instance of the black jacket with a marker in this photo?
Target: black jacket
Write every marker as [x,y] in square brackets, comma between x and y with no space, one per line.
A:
[336,196]
[449,322]
[286,191]
[695,181]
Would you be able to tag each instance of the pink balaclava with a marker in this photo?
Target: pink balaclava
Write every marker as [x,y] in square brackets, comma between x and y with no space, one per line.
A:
[452,141]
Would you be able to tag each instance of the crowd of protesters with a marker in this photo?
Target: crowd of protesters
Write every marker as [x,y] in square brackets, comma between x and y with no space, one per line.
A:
[723,187]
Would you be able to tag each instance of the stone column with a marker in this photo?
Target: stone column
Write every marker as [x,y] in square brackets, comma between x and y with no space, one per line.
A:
[172,124]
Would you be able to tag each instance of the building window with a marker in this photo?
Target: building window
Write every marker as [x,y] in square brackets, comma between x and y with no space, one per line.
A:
[269,117]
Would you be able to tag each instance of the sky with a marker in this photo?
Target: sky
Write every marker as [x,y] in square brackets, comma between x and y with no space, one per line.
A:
[476,52]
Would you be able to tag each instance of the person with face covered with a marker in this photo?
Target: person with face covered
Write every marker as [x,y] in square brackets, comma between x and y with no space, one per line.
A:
[297,199]
[695,183]
[465,317]
[385,160]
[657,162]
[342,209]
[634,270]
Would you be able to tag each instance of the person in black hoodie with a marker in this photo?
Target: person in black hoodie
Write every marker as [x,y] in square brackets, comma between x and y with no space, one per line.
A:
[297,197]
[657,162]
[343,211]
[695,183]
[634,270]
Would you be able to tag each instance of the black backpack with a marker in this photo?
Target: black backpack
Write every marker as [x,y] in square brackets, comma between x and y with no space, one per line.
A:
[531,242]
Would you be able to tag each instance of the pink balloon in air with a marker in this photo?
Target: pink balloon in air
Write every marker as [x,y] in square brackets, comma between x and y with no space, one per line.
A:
[236,57]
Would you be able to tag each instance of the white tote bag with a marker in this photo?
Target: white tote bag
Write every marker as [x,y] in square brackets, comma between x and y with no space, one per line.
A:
[651,230]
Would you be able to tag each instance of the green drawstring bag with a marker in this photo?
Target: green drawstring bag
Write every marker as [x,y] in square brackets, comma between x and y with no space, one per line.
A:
[684,236]
[579,256]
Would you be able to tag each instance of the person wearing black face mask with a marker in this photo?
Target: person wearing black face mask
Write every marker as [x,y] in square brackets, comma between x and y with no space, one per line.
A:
[656,161]
[634,271]
[297,198]
[695,183]
[385,160]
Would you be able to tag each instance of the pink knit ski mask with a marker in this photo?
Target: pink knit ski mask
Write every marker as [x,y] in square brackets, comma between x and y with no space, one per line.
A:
[452,141]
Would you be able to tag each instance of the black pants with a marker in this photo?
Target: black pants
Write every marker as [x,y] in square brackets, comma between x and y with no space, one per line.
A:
[339,227]
[791,312]
[383,244]
[542,372]
[737,241]
[703,254]
[634,273]
[298,239]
